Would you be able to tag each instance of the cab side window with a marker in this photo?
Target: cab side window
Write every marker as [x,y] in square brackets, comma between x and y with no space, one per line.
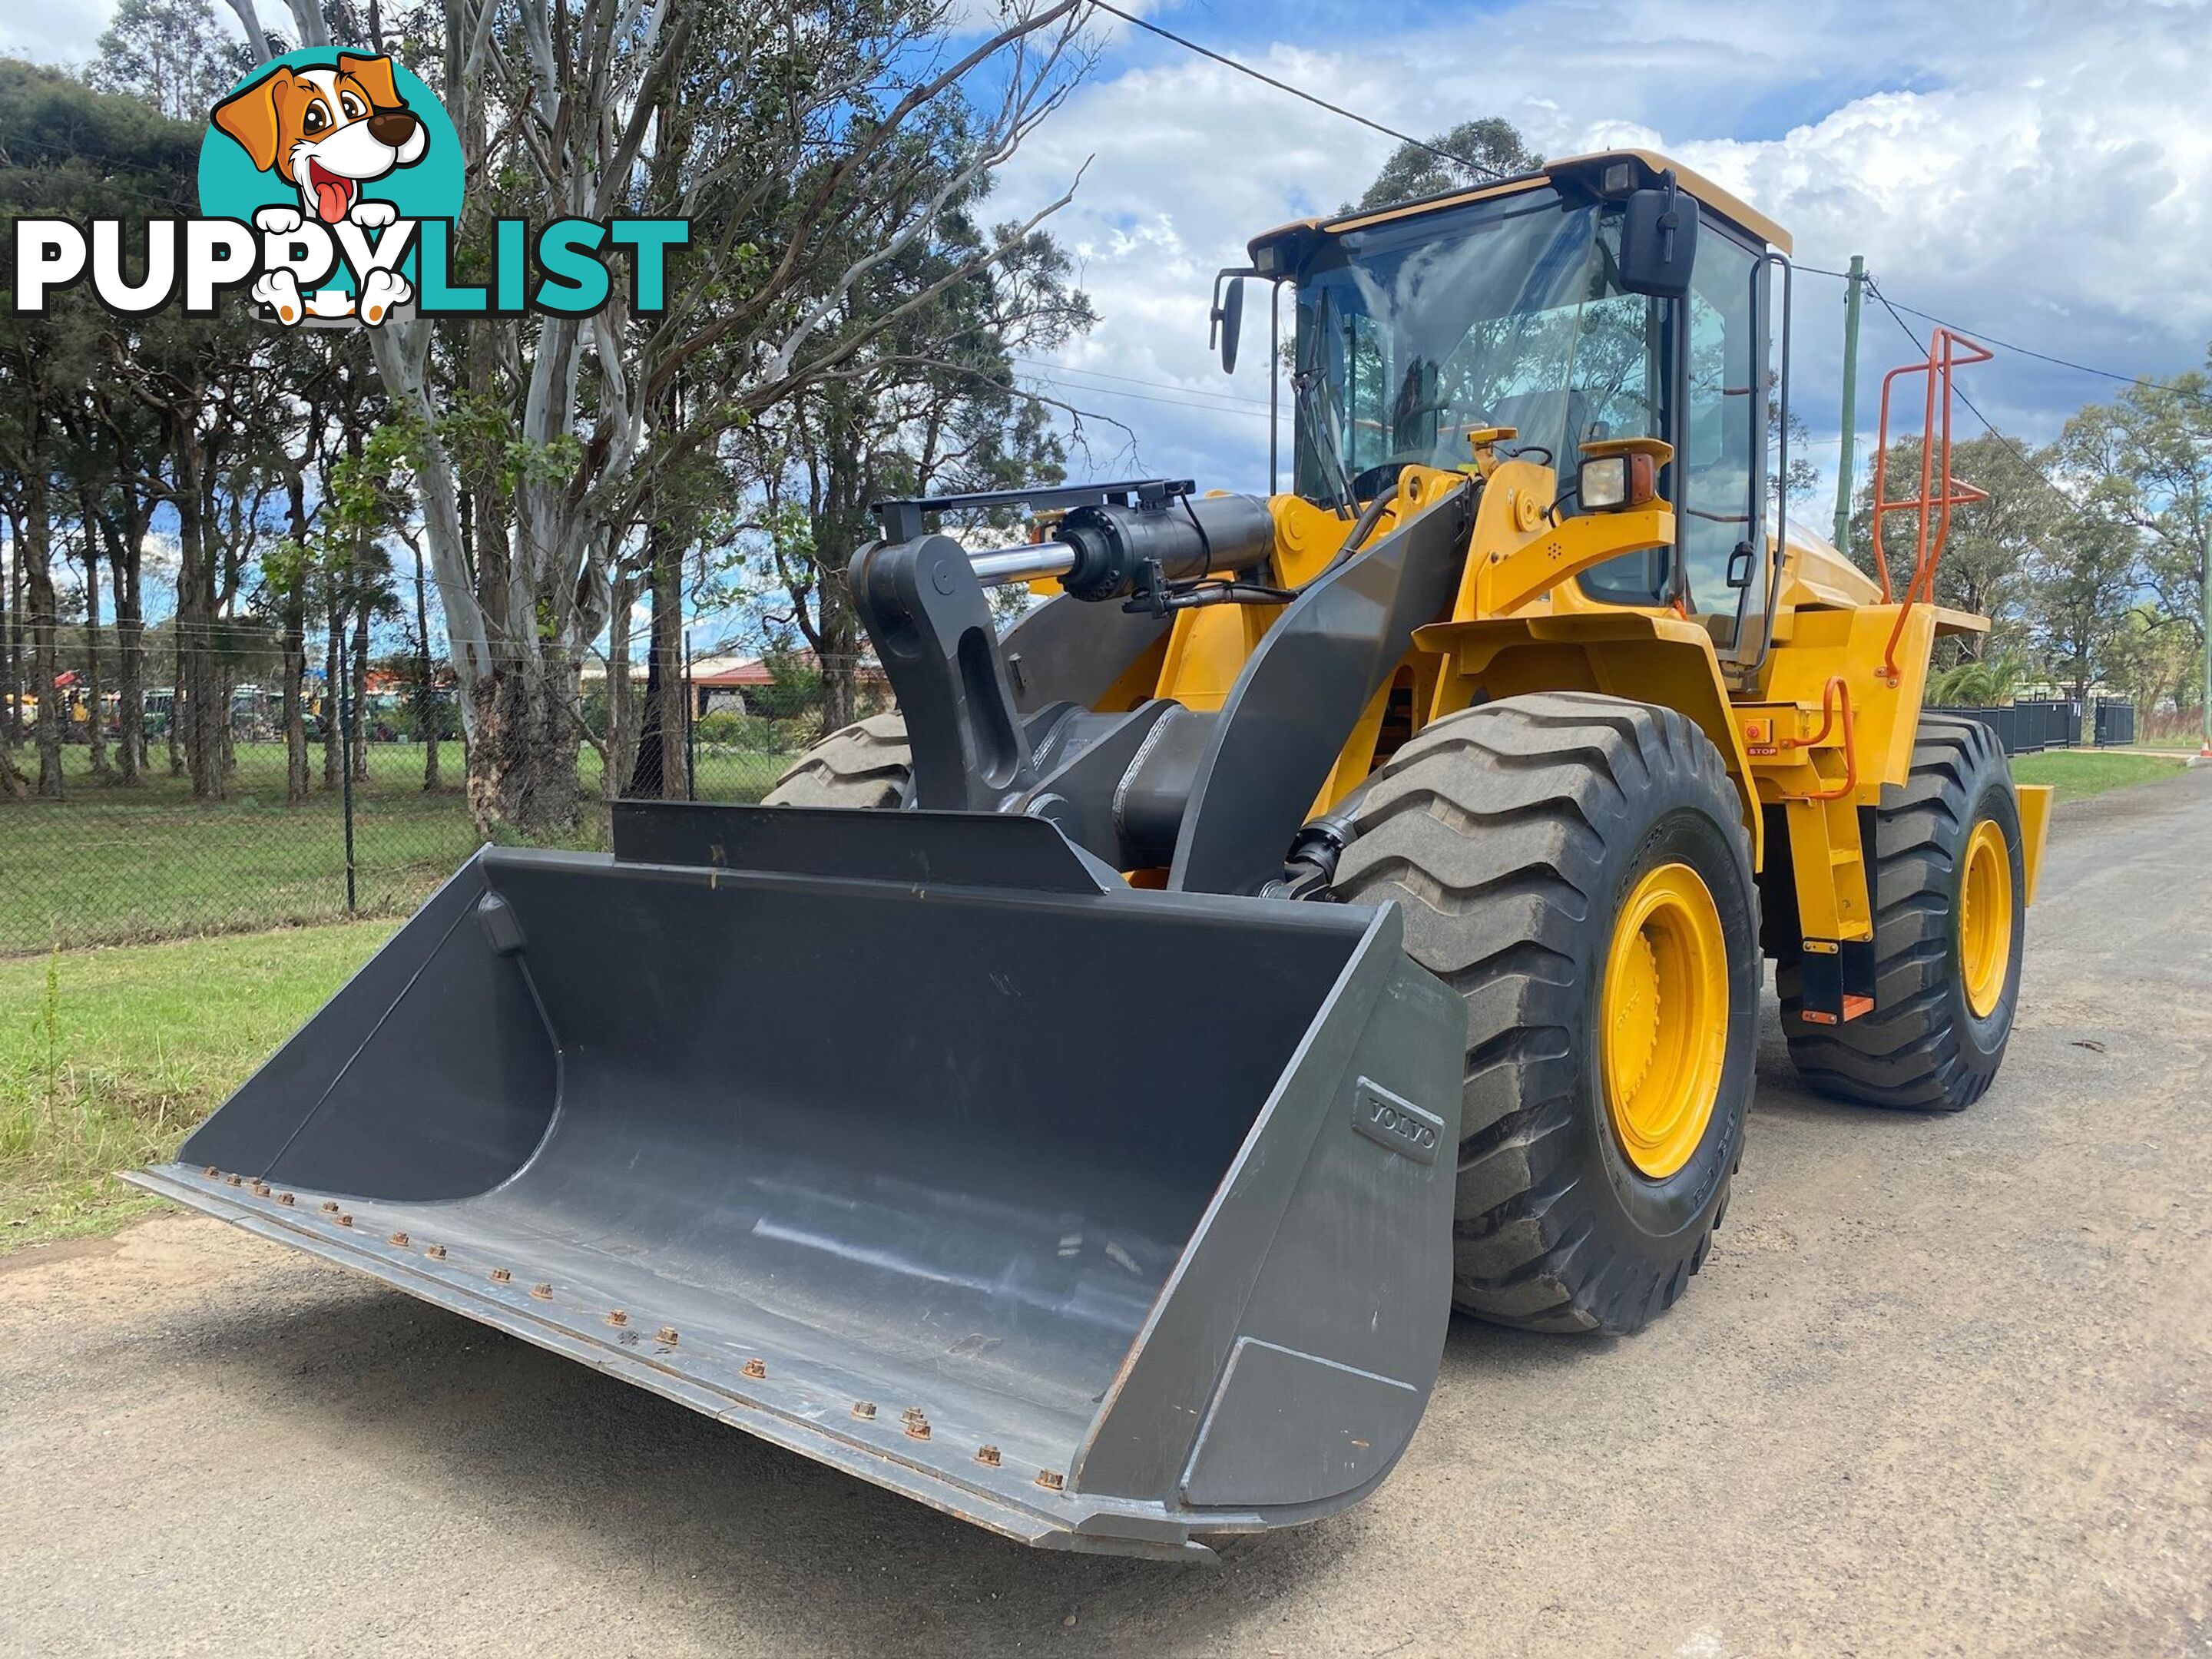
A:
[1723,420]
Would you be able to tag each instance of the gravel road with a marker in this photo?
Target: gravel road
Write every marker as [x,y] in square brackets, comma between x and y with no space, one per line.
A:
[1944,1387]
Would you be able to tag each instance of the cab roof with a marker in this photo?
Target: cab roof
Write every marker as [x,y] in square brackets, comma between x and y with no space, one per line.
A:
[1286,247]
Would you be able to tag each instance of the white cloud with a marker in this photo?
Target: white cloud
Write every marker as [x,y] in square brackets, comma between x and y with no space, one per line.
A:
[2038,170]
[53,31]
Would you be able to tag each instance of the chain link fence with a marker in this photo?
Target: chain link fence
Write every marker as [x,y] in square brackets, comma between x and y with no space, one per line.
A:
[372,835]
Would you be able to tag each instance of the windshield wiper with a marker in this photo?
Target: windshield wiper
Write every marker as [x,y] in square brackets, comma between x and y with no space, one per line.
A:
[1309,398]
[1310,402]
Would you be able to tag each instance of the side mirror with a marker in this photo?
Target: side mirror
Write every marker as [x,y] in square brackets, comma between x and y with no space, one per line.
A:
[1658,241]
[1227,317]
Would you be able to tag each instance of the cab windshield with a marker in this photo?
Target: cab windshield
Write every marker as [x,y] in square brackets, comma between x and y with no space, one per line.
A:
[1510,313]
[1506,314]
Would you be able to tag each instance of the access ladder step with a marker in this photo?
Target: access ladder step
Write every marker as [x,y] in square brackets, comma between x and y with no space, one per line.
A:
[1838,977]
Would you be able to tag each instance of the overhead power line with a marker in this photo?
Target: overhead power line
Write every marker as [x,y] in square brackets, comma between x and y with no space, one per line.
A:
[2045,356]
[1131,379]
[1985,335]
[1187,395]
[1297,92]
[1374,125]
[2024,459]
[1071,387]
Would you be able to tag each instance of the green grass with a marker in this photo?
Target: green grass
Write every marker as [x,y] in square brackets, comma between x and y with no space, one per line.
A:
[2082,771]
[109,1058]
[113,865]
[107,865]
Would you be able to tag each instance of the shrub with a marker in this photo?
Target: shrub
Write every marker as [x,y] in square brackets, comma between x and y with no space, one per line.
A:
[730,729]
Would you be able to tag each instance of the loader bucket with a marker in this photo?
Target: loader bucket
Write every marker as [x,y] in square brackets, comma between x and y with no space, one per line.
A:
[915,1142]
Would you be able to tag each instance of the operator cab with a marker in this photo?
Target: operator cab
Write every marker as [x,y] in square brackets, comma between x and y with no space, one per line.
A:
[1547,304]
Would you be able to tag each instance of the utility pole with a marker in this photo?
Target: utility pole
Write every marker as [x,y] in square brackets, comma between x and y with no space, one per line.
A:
[2204,589]
[1845,461]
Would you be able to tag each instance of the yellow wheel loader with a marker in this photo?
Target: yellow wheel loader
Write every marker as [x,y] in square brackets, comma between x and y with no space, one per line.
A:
[1077,1099]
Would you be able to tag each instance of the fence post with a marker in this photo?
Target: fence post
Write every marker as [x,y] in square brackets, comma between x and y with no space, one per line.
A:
[691,736]
[345,793]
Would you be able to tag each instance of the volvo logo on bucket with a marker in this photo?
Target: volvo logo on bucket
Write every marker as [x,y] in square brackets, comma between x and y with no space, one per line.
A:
[1393,1121]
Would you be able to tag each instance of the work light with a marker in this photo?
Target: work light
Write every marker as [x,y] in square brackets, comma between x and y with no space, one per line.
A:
[1619,473]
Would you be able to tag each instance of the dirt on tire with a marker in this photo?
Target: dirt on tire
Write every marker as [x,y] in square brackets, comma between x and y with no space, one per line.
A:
[865,764]
[1508,833]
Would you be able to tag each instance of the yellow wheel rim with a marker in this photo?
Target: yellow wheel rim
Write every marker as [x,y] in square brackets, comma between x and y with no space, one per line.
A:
[1663,1009]
[1985,918]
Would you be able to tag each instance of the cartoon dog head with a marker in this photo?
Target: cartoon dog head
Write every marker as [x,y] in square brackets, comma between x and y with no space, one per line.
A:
[326,131]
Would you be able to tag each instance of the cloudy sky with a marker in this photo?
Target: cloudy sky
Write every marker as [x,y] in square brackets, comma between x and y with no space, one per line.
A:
[2035,169]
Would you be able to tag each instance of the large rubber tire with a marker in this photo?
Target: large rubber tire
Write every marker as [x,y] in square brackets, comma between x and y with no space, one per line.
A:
[1510,834]
[866,764]
[1923,1048]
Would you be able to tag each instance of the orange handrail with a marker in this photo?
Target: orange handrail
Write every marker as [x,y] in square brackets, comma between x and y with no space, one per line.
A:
[1947,350]
[1835,698]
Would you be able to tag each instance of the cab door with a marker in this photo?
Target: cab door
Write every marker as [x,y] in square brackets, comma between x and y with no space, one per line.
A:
[1721,466]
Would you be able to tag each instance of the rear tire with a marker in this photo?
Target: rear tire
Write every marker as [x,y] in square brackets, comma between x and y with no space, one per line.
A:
[865,764]
[1513,835]
[1925,1047]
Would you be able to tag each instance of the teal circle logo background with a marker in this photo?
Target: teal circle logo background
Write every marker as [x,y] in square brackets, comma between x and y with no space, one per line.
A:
[232,187]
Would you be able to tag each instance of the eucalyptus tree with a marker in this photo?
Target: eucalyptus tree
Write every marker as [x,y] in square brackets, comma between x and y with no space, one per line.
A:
[769,126]
[171,54]
[931,404]
[1472,153]
[111,418]
[1993,550]
[74,152]
[2086,580]
[2147,456]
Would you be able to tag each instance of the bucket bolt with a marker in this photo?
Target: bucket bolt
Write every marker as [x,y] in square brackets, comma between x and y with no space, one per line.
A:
[284,1198]
[665,1336]
[211,1172]
[756,1369]
[343,1219]
[543,1292]
[917,1425]
[987,1455]
[1052,1479]
[864,1410]
[399,1241]
[435,1252]
[235,1180]
[616,1316]
[330,1207]
[501,1276]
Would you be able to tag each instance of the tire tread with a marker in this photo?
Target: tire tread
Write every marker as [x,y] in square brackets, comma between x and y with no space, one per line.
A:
[1490,829]
[1908,1053]
[865,764]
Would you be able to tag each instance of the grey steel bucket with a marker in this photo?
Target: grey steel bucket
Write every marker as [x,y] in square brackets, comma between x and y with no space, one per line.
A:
[915,1142]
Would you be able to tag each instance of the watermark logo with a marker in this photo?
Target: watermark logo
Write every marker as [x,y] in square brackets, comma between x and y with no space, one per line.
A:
[337,161]
[331,189]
